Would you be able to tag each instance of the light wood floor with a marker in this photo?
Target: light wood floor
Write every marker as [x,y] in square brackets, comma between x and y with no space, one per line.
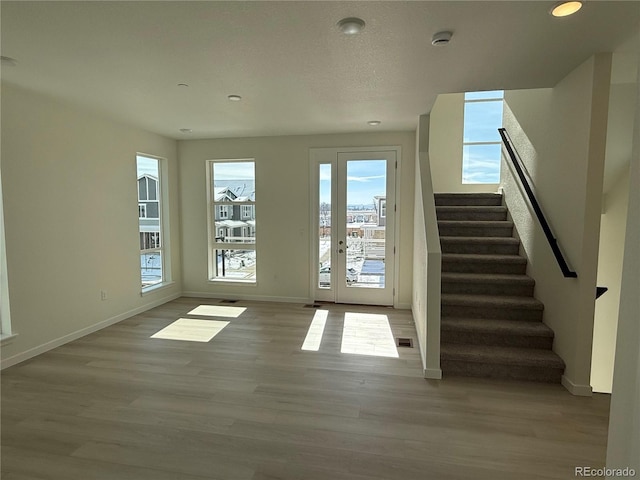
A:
[250,404]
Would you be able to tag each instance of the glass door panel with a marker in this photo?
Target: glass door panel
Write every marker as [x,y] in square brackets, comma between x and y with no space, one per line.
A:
[325,248]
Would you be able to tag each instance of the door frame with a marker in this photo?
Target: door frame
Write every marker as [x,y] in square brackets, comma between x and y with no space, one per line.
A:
[318,156]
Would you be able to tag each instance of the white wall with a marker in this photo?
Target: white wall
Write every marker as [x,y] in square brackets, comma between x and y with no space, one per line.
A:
[605,325]
[623,447]
[445,146]
[560,134]
[70,203]
[622,102]
[427,259]
[282,194]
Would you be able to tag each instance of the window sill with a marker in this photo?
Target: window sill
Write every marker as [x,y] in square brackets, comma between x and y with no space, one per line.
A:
[227,281]
[6,339]
[155,288]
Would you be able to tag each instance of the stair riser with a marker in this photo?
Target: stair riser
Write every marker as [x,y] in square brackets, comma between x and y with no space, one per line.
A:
[510,289]
[475,231]
[471,215]
[469,369]
[479,248]
[465,201]
[473,338]
[484,267]
[504,313]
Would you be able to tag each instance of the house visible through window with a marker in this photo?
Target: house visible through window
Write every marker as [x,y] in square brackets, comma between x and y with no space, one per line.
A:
[481,144]
[232,220]
[150,225]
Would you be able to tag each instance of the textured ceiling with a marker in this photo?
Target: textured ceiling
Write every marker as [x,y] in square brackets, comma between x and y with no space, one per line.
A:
[296,73]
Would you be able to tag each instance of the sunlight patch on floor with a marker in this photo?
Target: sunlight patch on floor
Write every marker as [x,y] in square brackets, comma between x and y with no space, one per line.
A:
[191,330]
[218,311]
[315,332]
[368,334]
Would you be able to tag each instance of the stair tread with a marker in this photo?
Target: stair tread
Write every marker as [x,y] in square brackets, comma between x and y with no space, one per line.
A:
[529,357]
[468,195]
[468,208]
[496,327]
[481,257]
[504,278]
[464,199]
[461,239]
[476,223]
[497,301]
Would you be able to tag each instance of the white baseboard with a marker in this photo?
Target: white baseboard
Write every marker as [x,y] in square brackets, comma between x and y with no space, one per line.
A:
[433,373]
[403,306]
[45,347]
[255,298]
[578,390]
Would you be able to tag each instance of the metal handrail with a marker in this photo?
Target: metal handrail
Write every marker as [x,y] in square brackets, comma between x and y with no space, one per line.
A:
[553,242]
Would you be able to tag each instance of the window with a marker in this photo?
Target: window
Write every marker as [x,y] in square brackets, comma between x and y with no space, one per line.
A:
[383,208]
[481,145]
[223,212]
[232,220]
[5,315]
[150,224]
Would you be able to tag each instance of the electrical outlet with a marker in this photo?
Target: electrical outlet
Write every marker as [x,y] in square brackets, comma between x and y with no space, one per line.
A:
[103,294]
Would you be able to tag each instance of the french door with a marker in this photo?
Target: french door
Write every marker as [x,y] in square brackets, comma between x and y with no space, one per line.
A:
[353,219]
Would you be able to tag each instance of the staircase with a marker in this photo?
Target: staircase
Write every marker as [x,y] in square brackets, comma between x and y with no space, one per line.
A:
[491,323]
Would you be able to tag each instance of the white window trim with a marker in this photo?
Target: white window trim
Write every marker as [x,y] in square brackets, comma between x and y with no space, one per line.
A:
[213,245]
[162,198]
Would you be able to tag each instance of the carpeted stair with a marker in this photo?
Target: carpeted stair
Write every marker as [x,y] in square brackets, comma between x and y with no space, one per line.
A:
[491,323]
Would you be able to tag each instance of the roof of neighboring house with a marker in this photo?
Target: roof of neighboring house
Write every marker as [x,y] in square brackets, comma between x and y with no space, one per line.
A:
[221,194]
[228,193]
[231,223]
[148,175]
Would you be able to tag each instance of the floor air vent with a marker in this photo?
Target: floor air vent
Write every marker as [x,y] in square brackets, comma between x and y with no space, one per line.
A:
[312,305]
[404,342]
[228,301]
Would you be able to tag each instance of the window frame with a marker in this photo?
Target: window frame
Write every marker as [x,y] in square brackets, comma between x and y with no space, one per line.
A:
[476,143]
[163,231]
[213,244]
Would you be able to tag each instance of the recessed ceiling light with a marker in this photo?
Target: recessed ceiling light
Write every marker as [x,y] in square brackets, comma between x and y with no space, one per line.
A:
[441,38]
[183,85]
[374,123]
[234,98]
[564,9]
[186,130]
[8,61]
[351,25]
